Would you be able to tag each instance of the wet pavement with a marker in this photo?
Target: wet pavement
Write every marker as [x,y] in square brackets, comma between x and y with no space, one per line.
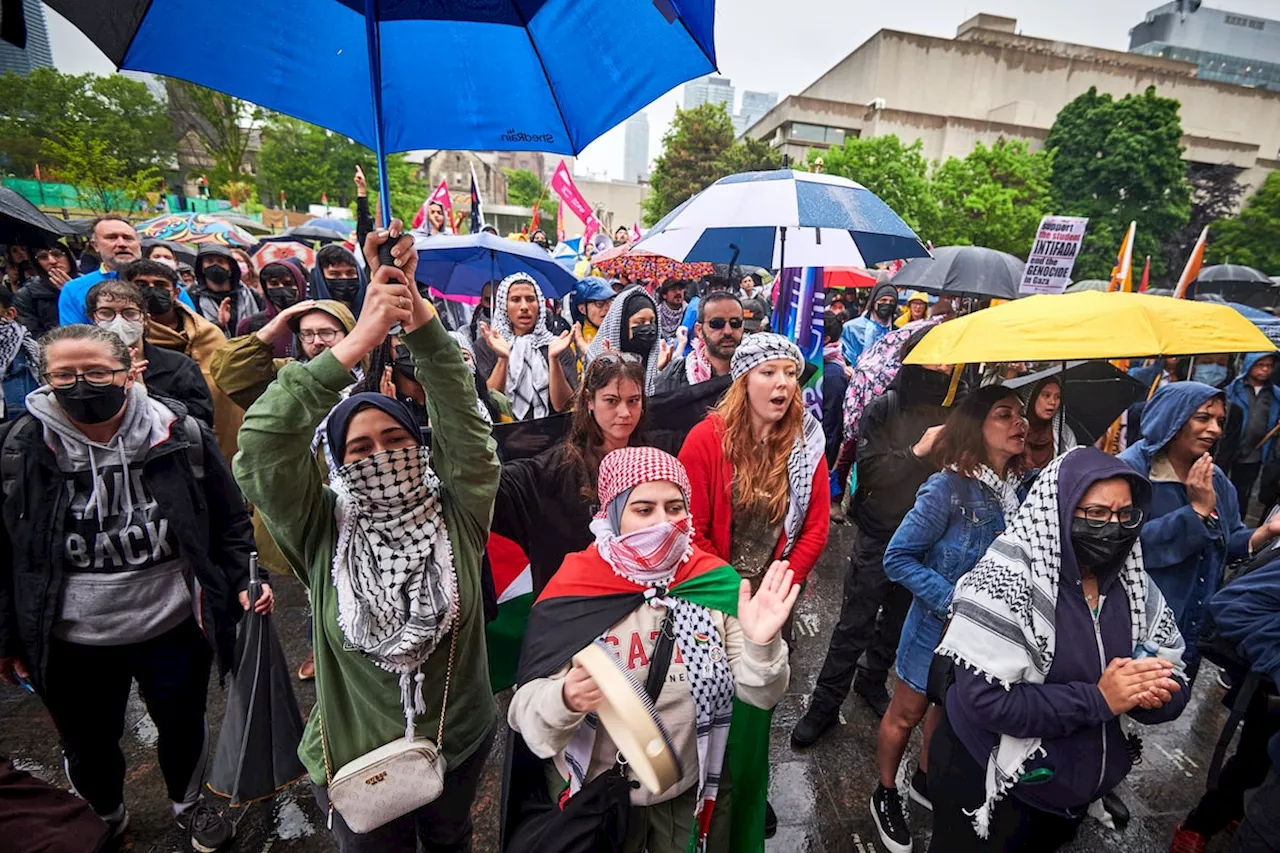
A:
[820,794]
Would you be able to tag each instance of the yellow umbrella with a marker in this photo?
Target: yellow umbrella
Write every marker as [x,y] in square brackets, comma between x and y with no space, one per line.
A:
[1087,325]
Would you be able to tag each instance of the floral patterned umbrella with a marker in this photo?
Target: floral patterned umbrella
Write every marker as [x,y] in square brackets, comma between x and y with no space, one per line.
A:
[195,228]
[875,370]
[626,261]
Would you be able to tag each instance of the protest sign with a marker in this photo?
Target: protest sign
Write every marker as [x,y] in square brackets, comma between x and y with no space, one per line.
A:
[1053,255]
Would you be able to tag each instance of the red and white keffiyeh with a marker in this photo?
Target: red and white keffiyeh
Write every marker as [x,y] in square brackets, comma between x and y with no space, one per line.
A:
[627,468]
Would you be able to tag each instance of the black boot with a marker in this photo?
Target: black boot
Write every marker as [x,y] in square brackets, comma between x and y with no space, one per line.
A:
[770,820]
[813,725]
[874,693]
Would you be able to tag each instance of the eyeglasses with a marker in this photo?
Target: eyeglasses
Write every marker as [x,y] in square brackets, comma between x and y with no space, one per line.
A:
[326,336]
[1097,515]
[717,323]
[97,376]
[45,254]
[106,315]
[624,357]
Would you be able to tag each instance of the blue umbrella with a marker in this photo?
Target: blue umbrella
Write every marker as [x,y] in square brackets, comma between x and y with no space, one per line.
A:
[513,75]
[461,266]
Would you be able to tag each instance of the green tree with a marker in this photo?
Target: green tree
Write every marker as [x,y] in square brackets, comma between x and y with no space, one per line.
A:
[1117,162]
[524,188]
[104,181]
[1252,237]
[689,162]
[222,124]
[47,106]
[748,155]
[994,197]
[897,173]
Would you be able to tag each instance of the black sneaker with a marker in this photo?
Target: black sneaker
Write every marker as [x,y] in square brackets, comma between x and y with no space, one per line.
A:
[919,790]
[812,726]
[875,694]
[1116,808]
[116,823]
[770,820]
[207,829]
[891,819]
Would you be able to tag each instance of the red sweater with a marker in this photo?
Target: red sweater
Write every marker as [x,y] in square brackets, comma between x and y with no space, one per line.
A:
[711,502]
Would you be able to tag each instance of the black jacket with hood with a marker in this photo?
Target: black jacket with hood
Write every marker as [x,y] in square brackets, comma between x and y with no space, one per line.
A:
[244,302]
[206,512]
[37,306]
[175,376]
[269,311]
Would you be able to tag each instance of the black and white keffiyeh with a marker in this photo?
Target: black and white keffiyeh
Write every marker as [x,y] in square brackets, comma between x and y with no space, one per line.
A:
[14,338]
[611,330]
[808,450]
[393,566]
[1003,619]
[669,320]
[528,374]
[756,349]
[1005,489]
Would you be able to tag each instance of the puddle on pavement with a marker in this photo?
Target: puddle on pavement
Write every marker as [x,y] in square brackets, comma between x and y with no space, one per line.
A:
[291,821]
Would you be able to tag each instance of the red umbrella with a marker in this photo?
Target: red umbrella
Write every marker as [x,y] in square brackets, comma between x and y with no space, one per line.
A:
[843,277]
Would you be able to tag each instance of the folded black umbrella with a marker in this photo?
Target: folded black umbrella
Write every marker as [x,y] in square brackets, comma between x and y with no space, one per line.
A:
[963,271]
[1094,393]
[257,751]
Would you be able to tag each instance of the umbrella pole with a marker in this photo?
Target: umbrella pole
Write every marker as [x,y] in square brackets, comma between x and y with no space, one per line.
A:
[1062,421]
[375,81]
[782,251]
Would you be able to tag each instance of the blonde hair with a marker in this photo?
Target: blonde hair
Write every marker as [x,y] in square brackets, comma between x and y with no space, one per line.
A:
[759,469]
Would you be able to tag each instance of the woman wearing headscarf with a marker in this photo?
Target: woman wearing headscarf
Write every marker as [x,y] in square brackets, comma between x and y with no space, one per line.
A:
[1056,633]
[1048,436]
[390,553]
[643,577]
[533,367]
[958,512]
[631,327]
[282,285]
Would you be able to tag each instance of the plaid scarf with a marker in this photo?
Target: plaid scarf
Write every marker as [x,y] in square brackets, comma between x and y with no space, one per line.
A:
[669,320]
[697,367]
[528,373]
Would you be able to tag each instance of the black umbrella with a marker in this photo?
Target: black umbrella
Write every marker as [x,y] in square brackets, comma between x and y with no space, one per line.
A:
[1238,283]
[1094,394]
[258,746]
[22,222]
[963,271]
[306,231]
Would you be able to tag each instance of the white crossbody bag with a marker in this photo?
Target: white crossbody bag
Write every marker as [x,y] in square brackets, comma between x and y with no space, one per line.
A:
[392,780]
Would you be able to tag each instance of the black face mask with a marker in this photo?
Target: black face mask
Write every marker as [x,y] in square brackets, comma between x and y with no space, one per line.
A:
[282,297]
[214,274]
[90,404]
[540,243]
[343,289]
[1101,548]
[641,339]
[885,311]
[158,301]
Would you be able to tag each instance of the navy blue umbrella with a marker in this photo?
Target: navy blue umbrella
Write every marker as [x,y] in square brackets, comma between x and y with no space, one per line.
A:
[460,266]
[396,75]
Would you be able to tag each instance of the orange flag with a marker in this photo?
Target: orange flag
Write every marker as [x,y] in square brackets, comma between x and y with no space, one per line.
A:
[1192,270]
[1122,272]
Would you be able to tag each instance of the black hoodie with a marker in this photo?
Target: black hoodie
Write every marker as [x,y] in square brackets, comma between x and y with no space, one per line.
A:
[244,303]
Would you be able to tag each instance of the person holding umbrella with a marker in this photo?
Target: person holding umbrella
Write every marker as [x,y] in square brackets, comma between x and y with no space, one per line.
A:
[863,331]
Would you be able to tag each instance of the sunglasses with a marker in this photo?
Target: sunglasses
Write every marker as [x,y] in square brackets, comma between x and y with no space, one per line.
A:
[717,323]
[624,357]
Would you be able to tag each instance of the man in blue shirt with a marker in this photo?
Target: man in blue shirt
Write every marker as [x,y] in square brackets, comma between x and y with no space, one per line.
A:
[116,242]
[861,332]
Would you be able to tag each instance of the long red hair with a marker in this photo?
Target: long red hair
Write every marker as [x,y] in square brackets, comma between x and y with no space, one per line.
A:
[759,468]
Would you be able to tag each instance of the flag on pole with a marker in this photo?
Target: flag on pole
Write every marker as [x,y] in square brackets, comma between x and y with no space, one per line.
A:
[1122,272]
[477,209]
[441,197]
[559,223]
[1192,270]
[1146,275]
[562,185]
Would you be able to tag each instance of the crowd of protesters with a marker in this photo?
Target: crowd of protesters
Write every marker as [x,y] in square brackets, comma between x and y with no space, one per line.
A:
[1029,591]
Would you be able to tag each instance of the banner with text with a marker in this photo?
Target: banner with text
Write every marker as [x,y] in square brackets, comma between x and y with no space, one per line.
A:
[1053,255]
[563,186]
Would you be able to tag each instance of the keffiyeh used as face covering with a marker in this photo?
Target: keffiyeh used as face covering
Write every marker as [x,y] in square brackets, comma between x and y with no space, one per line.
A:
[528,374]
[1003,618]
[649,558]
[393,566]
[613,329]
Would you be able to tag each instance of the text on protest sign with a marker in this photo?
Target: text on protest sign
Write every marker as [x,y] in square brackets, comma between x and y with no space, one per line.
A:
[1053,255]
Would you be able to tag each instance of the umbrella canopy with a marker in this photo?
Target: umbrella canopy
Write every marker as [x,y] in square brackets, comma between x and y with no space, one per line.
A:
[963,271]
[1094,393]
[1238,283]
[641,264]
[545,76]
[183,253]
[276,251]
[196,228]
[1089,325]
[1097,284]
[248,223]
[318,233]
[846,277]
[802,219]
[1233,273]
[22,222]
[461,266]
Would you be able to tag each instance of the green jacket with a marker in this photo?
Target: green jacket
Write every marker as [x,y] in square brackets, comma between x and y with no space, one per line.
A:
[358,702]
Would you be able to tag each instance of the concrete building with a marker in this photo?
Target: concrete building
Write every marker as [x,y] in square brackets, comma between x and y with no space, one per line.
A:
[754,107]
[37,53]
[1223,45]
[709,90]
[989,82]
[635,153]
[614,202]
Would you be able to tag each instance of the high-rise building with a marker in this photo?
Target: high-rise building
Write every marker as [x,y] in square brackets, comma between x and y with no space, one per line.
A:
[37,53]
[754,106]
[1226,47]
[709,90]
[635,156]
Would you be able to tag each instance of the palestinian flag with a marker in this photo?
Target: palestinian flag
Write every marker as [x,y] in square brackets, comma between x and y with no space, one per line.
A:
[513,583]
[582,601]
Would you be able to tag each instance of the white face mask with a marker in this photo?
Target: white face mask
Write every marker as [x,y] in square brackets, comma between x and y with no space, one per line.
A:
[128,331]
[168,262]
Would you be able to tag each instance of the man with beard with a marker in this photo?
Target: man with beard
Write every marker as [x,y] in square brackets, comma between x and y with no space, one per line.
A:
[337,276]
[863,331]
[533,367]
[717,334]
[219,294]
[116,242]
[670,308]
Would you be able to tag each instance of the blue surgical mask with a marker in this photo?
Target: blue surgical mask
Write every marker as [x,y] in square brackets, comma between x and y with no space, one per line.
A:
[1210,374]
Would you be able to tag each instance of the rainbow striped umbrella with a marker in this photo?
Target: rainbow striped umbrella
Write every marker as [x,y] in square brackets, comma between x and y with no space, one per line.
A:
[196,228]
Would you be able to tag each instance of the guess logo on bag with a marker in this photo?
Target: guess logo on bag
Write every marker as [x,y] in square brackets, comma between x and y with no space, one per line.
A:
[376,778]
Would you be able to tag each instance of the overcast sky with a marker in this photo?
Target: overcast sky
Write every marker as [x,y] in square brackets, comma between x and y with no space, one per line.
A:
[774,46]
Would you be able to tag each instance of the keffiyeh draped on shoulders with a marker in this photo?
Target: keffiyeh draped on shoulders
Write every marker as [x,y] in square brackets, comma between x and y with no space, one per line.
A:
[528,373]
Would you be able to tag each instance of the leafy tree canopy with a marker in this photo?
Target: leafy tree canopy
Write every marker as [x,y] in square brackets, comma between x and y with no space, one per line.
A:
[1253,237]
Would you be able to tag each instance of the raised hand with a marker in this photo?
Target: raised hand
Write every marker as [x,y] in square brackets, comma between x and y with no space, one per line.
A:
[224,314]
[763,614]
[279,324]
[579,342]
[1199,486]
[496,342]
[402,251]
[682,339]
[924,446]
[557,347]
[665,351]
[362,189]
[57,277]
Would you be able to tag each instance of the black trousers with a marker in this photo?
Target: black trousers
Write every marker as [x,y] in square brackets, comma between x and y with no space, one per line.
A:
[1243,477]
[957,784]
[871,618]
[87,691]
[443,826]
[1244,770]
[1260,830]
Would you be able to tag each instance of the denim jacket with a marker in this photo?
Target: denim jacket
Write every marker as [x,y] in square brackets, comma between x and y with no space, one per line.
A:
[953,521]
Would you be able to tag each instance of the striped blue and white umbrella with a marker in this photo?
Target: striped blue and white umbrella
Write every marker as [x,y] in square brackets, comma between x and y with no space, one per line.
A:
[800,219]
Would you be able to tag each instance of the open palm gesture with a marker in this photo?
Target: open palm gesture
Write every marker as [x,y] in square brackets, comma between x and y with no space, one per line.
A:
[559,345]
[762,615]
[496,341]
